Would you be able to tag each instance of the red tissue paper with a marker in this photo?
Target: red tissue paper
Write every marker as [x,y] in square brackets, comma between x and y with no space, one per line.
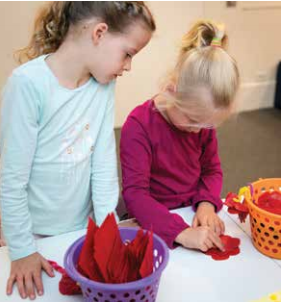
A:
[270,201]
[106,258]
[231,246]
[235,207]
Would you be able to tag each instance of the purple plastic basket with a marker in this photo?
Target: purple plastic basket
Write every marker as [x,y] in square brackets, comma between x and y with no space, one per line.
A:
[144,290]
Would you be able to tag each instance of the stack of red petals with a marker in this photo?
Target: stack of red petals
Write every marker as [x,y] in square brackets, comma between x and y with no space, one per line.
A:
[105,258]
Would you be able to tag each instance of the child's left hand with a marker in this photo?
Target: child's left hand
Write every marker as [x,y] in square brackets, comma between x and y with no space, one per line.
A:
[206,216]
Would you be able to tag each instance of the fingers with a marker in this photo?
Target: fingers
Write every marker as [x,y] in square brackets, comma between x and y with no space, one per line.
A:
[195,222]
[21,288]
[208,244]
[216,241]
[48,268]
[29,286]
[10,284]
[222,226]
[38,283]
[216,225]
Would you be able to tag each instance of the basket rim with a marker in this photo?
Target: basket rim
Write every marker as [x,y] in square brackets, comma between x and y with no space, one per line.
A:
[250,202]
[75,275]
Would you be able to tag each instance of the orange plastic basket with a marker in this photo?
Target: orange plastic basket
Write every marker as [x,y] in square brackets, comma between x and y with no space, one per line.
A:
[265,226]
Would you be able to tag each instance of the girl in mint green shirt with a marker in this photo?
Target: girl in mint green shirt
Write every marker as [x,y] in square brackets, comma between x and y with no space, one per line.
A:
[58,160]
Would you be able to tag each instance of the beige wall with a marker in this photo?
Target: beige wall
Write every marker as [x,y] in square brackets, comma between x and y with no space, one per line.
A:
[255,41]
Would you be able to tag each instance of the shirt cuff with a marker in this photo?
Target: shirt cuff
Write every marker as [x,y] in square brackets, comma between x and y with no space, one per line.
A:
[21,253]
[173,228]
[206,197]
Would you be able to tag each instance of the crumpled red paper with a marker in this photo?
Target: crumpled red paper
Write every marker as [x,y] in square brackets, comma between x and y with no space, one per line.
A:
[231,246]
[270,201]
[67,286]
[236,207]
[106,258]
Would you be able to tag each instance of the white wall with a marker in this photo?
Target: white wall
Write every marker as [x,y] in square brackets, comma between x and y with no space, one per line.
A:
[255,41]
[254,29]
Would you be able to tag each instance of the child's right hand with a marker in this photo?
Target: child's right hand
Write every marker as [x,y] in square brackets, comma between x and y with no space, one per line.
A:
[26,272]
[202,238]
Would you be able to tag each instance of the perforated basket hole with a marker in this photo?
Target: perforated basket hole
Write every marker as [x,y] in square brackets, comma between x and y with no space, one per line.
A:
[126,295]
[262,189]
[157,264]
[156,253]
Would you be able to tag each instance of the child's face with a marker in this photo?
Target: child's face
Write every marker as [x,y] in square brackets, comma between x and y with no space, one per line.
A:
[115,52]
[194,123]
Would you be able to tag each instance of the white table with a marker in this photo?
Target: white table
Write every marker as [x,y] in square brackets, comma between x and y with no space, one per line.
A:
[189,276]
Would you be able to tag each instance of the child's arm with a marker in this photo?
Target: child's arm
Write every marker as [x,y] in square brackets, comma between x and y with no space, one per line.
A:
[19,115]
[19,128]
[210,182]
[104,177]
[207,200]
[136,157]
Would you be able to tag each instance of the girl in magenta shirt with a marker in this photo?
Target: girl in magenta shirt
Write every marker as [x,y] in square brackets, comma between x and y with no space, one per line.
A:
[169,153]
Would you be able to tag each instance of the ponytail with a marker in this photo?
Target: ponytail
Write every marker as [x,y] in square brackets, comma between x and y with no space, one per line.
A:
[203,62]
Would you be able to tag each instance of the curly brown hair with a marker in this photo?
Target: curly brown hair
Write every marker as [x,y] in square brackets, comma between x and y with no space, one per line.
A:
[54,20]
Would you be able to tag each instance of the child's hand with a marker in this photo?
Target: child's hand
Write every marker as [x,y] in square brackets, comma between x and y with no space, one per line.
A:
[202,238]
[26,272]
[206,216]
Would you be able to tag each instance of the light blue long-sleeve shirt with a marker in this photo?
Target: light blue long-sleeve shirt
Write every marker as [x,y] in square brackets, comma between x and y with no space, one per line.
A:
[57,156]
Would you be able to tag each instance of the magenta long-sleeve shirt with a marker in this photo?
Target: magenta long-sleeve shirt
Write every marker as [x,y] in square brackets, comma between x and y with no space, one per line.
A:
[165,168]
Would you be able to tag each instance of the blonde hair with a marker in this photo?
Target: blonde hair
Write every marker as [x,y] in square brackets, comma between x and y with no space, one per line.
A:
[54,20]
[202,67]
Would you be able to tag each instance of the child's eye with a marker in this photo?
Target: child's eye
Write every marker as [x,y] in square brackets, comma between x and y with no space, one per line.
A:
[128,55]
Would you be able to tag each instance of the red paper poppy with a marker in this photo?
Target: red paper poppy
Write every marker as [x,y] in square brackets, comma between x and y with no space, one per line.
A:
[234,207]
[231,246]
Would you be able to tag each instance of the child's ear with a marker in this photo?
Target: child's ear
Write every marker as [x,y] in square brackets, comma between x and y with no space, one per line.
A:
[171,88]
[99,32]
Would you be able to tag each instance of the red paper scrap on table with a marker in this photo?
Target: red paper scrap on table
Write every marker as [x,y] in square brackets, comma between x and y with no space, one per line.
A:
[270,201]
[67,286]
[231,246]
[104,257]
